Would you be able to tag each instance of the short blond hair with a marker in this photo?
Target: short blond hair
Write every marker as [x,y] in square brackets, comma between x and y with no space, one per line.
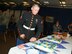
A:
[36,5]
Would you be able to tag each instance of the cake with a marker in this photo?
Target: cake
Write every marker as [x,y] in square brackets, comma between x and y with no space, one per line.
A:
[52,39]
[46,46]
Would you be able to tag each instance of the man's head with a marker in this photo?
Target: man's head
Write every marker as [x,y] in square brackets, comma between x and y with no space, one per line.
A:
[35,9]
[57,23]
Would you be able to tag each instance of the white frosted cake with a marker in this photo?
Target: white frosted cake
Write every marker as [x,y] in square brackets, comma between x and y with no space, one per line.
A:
[45,46]
[52,39]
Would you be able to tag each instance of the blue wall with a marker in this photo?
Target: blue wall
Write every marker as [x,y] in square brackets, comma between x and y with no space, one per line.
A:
[63,15]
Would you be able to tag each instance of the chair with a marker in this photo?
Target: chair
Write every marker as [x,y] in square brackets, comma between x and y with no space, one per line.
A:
[12,28]
[3,31]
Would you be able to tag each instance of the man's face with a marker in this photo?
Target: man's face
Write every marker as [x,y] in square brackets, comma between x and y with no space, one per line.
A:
[57,23]
[35,9]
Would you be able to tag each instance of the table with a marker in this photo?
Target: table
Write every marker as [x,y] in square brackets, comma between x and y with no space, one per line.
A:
[68,46]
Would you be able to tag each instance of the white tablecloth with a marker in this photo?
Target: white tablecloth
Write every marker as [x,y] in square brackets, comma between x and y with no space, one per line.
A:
[67,46]
[16,50]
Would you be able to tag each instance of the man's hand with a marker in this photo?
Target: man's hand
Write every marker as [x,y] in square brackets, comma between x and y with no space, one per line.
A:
[22,36]
[33,39]
[21,46]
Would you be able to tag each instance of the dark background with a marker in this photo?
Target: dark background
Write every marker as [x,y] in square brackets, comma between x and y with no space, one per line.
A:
[64,16]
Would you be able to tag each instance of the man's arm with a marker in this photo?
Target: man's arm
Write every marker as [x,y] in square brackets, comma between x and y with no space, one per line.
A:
[39,28]
[20,26]
[20,23]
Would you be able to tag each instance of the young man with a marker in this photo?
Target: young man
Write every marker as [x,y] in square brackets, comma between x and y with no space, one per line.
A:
[27,25]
